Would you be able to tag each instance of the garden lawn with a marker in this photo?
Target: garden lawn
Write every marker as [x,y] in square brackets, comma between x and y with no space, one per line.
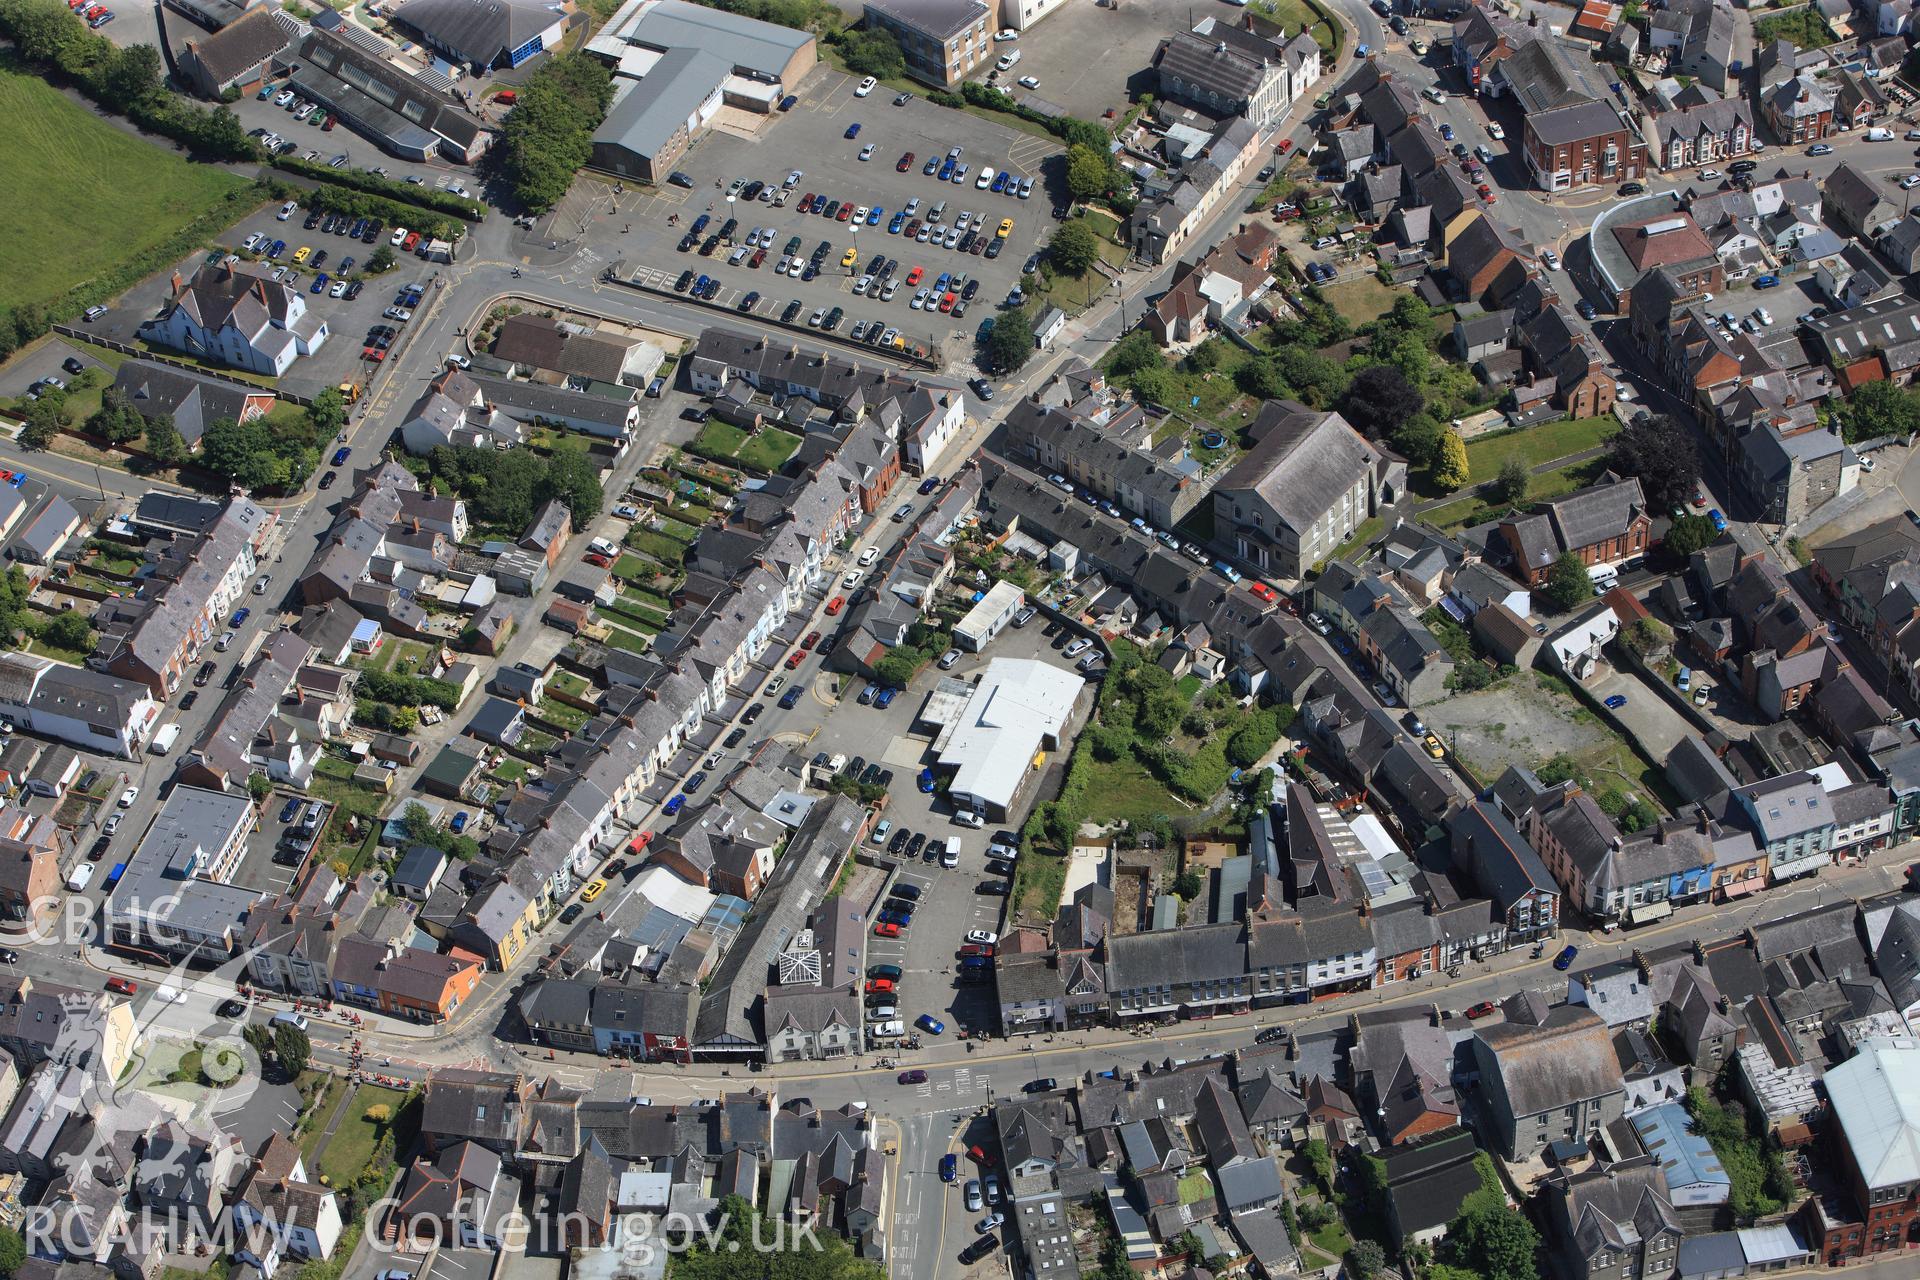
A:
[85,196]
[1037,881]
[765,450]
[1538,444]
[352,1144]
[1361,301]
[1295,14]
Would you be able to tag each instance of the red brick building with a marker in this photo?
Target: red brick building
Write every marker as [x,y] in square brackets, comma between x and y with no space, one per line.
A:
[1873,1145]
[1582,145]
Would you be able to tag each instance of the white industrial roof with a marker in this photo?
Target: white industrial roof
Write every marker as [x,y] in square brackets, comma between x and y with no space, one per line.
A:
[1018,703]
[1876,1097]
[670,893]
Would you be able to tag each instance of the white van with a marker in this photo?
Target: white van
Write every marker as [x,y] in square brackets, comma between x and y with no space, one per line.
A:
[1879,135]
[163,741]
[951,857]
[1008,59]
[81,877]
[1435,95]
[1604,578]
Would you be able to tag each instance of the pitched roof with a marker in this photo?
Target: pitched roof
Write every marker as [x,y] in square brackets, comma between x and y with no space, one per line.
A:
[1300,459]
[1566,1058]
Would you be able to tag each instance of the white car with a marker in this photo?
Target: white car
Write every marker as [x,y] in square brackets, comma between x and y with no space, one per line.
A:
[1711,175]
[459,361]
[1552,260]
[286,210]
[793,179]
[1005,34]
[338,289]
[1078,647]
[852,579]
[866,152]
[968,818]
[128,796]
[627,511]
[1494,131]
[1060,482]
[866,87]
[1909,182]
[985,179]
[868,556]
[984,937]
[1029,82]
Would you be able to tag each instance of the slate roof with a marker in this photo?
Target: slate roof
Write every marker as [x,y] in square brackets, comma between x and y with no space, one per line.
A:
[1301,458]
[1567,1058]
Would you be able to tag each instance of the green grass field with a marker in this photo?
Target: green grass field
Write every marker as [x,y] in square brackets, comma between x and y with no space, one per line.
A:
[1361,300]
[85,195]
[1535,445]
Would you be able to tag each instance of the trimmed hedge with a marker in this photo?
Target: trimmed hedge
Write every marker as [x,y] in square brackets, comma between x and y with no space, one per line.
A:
[359,204]
[1069,129]
[390,188]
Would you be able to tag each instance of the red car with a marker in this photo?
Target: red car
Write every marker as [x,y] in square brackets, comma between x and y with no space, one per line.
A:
[946,302]
[913,277]
[1484,190]
[1285,212]
[976,949]
[1283,146]
[806,201]
[121,987]
[906,162]
[1489,196]
[1263,591]
[879,986]
[813,638]
[412,241]
[640,842]
[846,211]
[1481,1010]
[979,1153]
[835,605]
[885,930]
[1699,498]
[759,256]
[595,558]
[913,1077]
[795,658]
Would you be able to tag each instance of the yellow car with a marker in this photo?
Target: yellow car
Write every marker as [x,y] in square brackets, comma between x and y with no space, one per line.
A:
[848,258]
[593,890]
[302,253]
[1006,226]
[1434,748]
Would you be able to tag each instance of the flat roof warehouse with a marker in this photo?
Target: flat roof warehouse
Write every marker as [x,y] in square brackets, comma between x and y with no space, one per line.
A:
[673,62]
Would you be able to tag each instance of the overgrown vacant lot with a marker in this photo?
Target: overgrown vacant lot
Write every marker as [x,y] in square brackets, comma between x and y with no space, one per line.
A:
[83,197]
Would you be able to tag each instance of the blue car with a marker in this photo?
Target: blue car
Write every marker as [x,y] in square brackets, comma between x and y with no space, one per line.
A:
[884,698]
[1446,131]
[674,805]
[873,216]
[279,247]
[925,782]
[320,283]
[787,103]
[340,455]
[1564,960]
[928,485]
[946,170]
[949,1167]
[1766,282]
[791,698]
[240,616]
[930,1024]
[1616,702]
[700,223]
[899,221]
[694,783]
[459,822]
[1719,521]
[290,810]
[999,182]
[853,130]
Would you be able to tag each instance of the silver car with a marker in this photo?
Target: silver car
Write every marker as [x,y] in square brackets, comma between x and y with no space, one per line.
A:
[974,1202]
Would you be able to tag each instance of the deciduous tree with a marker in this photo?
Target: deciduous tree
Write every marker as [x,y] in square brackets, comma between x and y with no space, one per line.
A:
[1073,248]
[1660,452]
[1379,399]
[1568,584]
[1450,469]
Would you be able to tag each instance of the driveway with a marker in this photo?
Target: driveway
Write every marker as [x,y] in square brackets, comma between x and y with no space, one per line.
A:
[1647,715]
